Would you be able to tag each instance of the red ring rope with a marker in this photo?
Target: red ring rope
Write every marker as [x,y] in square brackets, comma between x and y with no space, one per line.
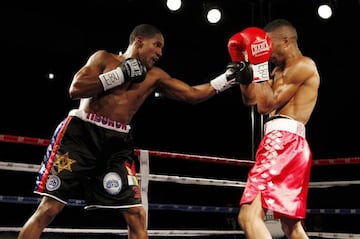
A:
[23,140]
[200,158]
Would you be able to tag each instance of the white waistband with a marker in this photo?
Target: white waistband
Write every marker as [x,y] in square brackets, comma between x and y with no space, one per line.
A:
[100,121]
[289,125]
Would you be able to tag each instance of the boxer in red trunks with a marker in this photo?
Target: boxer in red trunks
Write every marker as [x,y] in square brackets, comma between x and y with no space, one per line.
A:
[280,176]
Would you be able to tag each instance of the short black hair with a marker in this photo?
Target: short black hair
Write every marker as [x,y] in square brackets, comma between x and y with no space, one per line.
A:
[277,23]
[283,28]
[143,30]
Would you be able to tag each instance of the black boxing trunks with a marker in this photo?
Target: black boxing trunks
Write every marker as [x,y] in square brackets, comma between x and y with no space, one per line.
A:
[281,172]
[91,157]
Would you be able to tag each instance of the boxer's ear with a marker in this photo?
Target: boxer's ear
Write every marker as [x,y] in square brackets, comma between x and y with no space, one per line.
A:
[139,42]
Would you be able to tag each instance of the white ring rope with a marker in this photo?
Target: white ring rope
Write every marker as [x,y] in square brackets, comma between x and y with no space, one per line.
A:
[24,167]
[169,233]
[124,232]
[180,179]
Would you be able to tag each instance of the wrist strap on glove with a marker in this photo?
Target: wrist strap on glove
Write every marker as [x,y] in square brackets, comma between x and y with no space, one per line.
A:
[261,72]
[222,83]
[112,78]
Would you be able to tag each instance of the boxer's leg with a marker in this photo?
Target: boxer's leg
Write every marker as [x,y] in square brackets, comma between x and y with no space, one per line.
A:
[43,216]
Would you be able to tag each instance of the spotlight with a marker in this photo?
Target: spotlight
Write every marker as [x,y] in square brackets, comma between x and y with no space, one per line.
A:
[325,10]
[50,76]
[173,5]
[213,13]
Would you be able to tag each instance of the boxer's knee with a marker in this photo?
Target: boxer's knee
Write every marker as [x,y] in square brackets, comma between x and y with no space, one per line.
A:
[135,217]
[47,210]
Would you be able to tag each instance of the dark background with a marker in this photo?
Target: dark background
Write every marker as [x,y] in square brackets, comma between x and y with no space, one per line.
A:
[39,38]
[61,36]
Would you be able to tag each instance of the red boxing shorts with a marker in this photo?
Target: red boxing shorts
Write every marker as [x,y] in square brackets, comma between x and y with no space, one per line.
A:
[281,172]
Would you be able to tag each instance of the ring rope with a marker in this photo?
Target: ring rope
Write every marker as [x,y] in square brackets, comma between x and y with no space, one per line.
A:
[190,208]
[152,206]
[124,232]
[181,207]
[23,140]
[183,233]
[199,158]
[180,179]
[317,162]
[177,233]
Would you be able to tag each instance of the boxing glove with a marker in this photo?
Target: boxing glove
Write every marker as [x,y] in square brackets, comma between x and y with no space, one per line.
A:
[236,72]
[254,46]
[130,70]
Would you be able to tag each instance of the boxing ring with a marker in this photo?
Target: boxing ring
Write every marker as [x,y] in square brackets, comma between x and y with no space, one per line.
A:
[205,205]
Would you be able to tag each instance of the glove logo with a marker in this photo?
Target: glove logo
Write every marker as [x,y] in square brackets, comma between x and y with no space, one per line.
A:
[260,48]
[134,68]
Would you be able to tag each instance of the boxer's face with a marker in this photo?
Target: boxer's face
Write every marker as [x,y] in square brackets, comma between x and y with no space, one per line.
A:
[150,49]
[277,44]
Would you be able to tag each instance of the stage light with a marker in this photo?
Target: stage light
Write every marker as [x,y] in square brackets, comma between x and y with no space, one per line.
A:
[213,13]
[173,5]
[325,10]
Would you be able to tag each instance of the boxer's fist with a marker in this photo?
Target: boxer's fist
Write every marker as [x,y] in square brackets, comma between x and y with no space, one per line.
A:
[235,73]
[241,71]
[133,70]
[129,70]
[252,45]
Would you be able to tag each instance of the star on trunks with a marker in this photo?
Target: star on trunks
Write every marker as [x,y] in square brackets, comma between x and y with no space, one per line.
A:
[63,162]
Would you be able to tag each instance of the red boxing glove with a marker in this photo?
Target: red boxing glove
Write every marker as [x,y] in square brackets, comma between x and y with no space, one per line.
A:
[252,45]
[236,47]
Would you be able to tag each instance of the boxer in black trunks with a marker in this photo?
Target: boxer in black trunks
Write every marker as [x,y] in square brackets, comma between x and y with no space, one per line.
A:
[91,151]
